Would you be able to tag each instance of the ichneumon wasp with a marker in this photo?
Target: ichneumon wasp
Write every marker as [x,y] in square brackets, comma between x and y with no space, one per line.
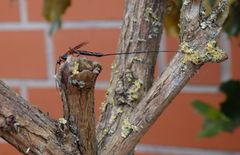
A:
[76,51]
[63,57]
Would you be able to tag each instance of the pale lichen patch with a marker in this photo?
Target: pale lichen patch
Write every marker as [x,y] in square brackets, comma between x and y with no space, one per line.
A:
[115,115]
[127,128]
[141,40]
[62,121]
[120,110]
[75,68]
[185,48]
[112,118]
[113,66]
[129,75]
[103,106]
[105,131]
[195,58]
[149,14]
[137,59]
[203,25]
[133,92]
[212,54]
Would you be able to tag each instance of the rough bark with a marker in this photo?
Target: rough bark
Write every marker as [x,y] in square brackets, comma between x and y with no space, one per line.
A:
[29,130]
[128,111]
[132,75]
[198,46]
[76,81]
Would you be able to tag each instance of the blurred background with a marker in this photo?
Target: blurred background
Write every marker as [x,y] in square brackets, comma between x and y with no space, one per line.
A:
[29,54]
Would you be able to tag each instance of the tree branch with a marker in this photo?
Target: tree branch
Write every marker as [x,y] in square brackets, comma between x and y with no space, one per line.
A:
[29,130]
[198,46]
[132,75]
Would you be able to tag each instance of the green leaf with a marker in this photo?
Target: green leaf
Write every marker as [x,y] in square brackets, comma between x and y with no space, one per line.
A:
[53,10]
[208,111]
[214,120]
[56,24]
[210,128]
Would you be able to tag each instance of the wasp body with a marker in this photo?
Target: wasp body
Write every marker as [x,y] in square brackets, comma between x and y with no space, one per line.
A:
[71,51]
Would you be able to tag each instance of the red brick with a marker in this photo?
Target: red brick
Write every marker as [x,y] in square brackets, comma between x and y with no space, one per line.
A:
[7,149]
[9,11]
[104,40]
[235,62]
[22,54]
[208,74]
[82,10]
[34,9]
[172,44]
[48,100]
[180,124]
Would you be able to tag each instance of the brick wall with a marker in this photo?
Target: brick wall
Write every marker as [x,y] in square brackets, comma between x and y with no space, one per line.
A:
[28,58]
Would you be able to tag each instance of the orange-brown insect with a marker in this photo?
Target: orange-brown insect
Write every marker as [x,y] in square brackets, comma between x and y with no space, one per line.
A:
[71,51]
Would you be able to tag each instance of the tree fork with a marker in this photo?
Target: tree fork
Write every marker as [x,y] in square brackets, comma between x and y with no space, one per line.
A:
[29,130]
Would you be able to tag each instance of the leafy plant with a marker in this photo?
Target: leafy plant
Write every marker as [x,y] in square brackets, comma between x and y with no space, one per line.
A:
[227,118]
[53,11]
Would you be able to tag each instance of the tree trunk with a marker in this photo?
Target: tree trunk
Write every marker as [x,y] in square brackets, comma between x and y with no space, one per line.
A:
[133,102]
[132,75]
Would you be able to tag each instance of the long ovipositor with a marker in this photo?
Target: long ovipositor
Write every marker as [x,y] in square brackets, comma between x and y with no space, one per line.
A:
[75,51]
